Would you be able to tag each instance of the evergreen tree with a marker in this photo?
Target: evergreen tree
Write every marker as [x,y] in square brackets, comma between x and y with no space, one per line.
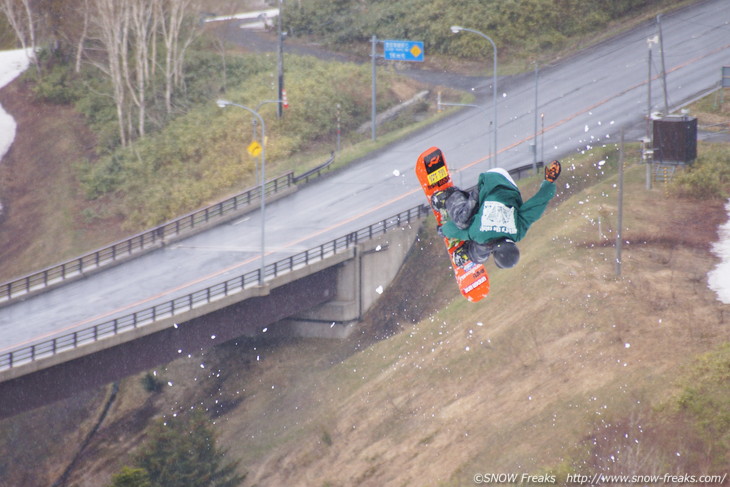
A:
[181,452]
[131,477]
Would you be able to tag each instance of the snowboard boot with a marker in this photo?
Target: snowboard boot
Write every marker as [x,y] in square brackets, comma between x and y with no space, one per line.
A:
[438,201]
[461,256]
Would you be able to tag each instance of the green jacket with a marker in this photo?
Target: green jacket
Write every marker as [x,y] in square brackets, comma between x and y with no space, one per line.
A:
[501,210]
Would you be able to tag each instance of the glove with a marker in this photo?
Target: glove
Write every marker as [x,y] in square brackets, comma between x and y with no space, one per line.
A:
[552,171]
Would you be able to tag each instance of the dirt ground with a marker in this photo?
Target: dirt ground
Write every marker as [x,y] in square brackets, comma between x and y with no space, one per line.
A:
[39,187]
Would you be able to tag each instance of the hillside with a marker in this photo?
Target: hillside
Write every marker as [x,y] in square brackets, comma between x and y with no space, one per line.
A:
[564,368]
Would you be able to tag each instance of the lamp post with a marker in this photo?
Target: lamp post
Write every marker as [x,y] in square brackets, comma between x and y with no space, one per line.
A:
[456,29]
[223,104]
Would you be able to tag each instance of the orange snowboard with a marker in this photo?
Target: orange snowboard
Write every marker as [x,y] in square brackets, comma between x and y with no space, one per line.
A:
[433,174]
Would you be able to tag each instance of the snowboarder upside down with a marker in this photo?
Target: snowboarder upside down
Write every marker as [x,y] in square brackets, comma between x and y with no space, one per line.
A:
[492,217]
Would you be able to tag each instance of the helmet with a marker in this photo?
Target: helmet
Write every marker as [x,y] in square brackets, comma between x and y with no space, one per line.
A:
[506,254]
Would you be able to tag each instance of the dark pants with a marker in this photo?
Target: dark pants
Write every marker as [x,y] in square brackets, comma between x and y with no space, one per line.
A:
[461,208]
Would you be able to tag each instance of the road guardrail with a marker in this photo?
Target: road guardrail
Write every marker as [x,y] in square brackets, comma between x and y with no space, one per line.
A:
[150,239]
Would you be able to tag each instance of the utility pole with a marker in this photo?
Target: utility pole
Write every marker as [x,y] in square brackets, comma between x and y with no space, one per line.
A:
[619,225]
[534,145]
[374,42]
[664,69]
[280,63]
[648,145]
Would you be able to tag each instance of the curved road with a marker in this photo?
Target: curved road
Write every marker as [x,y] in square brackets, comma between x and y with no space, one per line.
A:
[586,100]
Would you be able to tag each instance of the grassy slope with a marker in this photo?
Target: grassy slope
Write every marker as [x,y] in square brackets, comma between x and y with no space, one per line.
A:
[513,384]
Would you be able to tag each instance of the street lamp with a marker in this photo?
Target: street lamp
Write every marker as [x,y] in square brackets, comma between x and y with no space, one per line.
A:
[456,29]
[225,103]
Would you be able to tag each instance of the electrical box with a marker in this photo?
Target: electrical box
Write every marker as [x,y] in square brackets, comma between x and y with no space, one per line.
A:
[675,140]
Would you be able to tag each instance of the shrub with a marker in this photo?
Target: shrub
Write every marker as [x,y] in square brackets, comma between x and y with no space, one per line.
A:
[151,383]
[707,178]
[201,155]
[57,86]
[131,477]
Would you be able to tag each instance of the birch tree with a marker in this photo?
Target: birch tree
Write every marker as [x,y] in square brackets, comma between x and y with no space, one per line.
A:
[23,22]
[178,32]
[111,21]
[128,32]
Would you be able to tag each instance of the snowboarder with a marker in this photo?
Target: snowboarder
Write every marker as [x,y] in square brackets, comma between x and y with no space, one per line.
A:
[492,217]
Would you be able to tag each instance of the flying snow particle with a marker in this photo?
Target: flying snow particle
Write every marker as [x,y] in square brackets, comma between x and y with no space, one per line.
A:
[379,290]
[586,129]
[601,162]
[212,337]
[265,330]
[467,349]
[378,248]
[479,323]
[627,345]
[202,366]
[396,172]
[169,383]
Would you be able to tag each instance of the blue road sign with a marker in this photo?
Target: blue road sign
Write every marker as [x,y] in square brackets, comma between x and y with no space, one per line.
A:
[403,50]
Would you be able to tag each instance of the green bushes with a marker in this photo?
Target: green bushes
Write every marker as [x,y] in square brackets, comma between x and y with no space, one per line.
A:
[708,177]
[201,155]
[517,25]
[703,405]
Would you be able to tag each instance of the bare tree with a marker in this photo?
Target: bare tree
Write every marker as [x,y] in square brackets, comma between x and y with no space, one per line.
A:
[111,21]
[178,31]
[121,38]
[22,20]
[82,36]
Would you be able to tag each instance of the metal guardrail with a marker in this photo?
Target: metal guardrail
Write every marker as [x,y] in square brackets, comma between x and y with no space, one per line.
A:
[204,296]
[314,172]
[150,238]
[140,242]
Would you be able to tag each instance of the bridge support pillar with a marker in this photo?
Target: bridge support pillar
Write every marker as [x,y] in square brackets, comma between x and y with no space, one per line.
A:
[360,282]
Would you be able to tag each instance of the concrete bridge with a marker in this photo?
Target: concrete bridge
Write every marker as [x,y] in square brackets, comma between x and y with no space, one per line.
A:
[319,292]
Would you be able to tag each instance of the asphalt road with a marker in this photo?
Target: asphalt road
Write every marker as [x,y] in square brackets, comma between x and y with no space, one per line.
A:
[585,100]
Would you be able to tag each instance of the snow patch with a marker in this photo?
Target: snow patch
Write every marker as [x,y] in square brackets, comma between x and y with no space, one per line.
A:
[719,278]
[12,63]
